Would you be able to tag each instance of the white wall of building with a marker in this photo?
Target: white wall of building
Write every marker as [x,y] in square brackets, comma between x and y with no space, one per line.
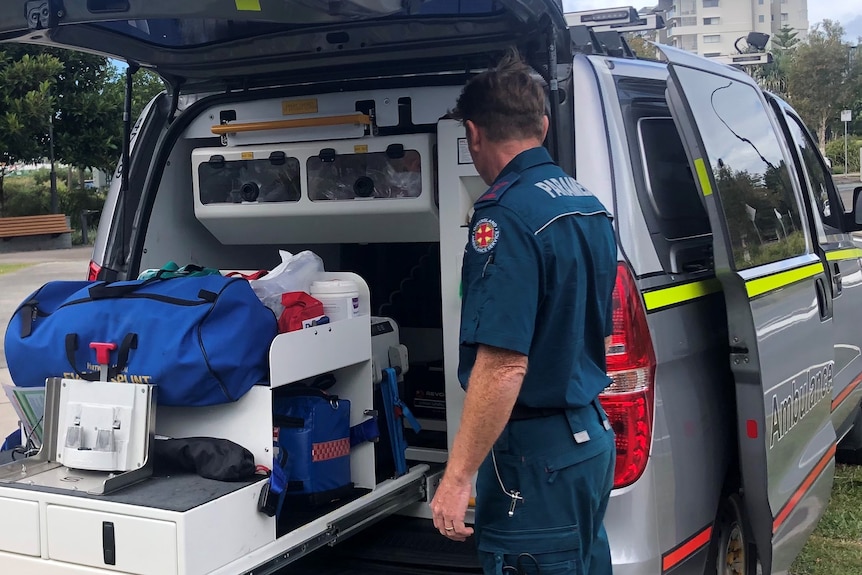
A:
[711,27]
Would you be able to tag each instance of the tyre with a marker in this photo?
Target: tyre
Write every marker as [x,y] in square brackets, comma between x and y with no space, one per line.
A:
[732,550]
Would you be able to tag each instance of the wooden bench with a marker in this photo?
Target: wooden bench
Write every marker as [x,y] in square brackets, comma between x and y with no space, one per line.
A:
[53,224]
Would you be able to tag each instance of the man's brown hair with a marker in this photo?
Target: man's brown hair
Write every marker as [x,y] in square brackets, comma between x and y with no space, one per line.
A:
[506,101]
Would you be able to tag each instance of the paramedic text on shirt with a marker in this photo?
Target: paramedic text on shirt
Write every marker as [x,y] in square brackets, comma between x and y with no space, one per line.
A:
[538,276]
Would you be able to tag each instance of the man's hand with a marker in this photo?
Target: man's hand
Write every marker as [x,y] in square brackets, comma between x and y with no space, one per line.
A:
[450,507]
[491,393]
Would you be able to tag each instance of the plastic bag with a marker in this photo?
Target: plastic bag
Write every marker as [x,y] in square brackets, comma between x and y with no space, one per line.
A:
[294,273]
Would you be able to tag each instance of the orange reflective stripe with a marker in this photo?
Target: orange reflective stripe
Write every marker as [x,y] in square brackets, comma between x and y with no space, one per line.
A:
[686,550]
[846,392]
[799,493]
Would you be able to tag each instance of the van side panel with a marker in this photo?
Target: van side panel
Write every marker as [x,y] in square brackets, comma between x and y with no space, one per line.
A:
[694,437]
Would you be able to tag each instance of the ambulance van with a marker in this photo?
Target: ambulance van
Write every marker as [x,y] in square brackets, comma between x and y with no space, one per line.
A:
[322,125]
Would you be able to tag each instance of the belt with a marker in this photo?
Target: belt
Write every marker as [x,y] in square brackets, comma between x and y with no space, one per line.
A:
[522,412]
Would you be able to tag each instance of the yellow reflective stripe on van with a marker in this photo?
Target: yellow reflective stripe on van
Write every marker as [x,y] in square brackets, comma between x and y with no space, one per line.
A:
[703,176]
[848,254]
[668,297]
[761,286]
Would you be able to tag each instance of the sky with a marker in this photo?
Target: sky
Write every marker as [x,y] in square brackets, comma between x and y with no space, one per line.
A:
[848,12]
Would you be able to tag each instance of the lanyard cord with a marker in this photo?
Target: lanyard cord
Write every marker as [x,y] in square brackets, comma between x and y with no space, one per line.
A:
[515,495]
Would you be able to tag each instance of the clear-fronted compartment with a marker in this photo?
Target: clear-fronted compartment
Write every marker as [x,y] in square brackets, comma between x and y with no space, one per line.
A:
[393,174]
[368,190]
[273,179]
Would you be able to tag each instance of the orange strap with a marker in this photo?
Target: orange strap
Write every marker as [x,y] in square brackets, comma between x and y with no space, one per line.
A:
[355,119]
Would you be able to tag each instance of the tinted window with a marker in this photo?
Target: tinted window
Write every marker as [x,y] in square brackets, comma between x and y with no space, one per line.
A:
[370,175]
[670,185]
[749,167]
[821,182]
[249,181]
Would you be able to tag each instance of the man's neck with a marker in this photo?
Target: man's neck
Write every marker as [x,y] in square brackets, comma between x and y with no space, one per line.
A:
[504,152]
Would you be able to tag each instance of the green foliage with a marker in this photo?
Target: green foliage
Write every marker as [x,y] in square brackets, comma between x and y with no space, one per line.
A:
[641,46]
[30,195]
[836,546]
[821,79]
[835,152]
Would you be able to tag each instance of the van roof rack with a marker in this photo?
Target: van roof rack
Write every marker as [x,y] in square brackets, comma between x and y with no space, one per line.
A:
[601,32]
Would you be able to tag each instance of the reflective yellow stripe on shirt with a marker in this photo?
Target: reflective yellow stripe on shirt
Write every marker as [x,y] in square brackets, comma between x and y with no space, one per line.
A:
[774,282]
[679,294]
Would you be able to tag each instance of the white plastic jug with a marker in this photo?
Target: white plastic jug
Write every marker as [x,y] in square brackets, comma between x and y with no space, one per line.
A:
[340,298]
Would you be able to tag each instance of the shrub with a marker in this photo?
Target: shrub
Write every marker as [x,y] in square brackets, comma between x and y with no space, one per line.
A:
[835,152]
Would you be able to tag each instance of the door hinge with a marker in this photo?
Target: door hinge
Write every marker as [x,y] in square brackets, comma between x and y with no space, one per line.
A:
[42,14]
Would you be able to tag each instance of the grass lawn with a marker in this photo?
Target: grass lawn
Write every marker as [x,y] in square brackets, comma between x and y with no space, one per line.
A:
[6,268]
[836,546]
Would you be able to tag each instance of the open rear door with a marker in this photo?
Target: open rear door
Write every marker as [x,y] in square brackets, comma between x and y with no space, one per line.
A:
[779,302]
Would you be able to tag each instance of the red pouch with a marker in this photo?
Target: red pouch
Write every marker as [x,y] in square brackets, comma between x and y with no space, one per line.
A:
[300,309]
[252,276]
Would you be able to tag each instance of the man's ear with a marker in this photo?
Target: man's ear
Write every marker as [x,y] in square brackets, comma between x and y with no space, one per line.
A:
[474,133]
[545,124]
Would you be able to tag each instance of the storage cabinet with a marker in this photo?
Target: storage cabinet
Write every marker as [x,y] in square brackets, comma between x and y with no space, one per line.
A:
[19,527]
[110,541]
[342,348]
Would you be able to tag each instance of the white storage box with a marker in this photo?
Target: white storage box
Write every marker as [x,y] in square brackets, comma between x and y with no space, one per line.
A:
[345,191]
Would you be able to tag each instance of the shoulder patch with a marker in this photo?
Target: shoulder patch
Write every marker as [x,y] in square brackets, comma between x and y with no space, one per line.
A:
[496,191]
[485,235]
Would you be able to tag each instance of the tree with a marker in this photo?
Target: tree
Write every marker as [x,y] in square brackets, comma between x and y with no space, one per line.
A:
[86,124]
[774,76]
[641,46]
[821,81]
[26,104]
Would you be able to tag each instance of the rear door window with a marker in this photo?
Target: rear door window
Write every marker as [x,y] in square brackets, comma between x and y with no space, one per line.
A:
[748,163]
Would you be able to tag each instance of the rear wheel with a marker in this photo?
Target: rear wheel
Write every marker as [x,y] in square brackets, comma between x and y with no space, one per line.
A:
[732,550]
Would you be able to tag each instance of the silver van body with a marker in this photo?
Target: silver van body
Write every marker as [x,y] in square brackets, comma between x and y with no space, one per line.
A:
[741,282]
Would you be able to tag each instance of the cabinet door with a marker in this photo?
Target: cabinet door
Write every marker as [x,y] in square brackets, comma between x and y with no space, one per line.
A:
[109,541]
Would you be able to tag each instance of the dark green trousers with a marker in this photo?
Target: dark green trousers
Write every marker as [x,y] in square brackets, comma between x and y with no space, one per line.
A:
[565,483]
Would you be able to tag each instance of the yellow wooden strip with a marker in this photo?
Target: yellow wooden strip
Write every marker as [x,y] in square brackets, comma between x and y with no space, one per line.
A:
[703,176]
[662,298]
[848,254]
[761,286]
[361,119]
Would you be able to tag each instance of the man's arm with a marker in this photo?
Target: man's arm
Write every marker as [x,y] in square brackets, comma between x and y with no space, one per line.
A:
[491,394]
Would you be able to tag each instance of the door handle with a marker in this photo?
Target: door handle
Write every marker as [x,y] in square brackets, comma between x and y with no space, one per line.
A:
[837,279]
[824,299]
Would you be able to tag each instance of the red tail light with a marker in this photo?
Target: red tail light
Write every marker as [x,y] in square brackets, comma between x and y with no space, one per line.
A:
[93,271]
[631,365]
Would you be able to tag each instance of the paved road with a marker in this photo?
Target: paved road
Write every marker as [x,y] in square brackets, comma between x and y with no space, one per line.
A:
[17,285]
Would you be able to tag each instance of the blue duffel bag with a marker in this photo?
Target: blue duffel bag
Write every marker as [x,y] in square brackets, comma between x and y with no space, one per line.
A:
[200,340]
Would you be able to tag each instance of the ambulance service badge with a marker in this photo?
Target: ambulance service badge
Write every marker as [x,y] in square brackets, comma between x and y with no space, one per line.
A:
[485,235]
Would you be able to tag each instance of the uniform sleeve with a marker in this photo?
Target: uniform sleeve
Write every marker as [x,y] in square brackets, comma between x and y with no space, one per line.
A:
[501,281]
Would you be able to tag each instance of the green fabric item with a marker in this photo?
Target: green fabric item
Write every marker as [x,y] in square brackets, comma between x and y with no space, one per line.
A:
[172,270]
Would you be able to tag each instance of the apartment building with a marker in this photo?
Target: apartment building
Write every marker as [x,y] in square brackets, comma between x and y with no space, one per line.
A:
[711,27]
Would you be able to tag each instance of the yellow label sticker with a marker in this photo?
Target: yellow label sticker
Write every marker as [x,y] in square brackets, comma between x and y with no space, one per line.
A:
[248,155]
[248,5]
[292,107]
[360,149]
[703,176]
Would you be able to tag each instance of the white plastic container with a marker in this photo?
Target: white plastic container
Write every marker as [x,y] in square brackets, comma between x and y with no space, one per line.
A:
[340,298]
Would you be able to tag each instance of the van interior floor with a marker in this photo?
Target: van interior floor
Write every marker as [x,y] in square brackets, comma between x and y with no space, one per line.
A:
[401,545]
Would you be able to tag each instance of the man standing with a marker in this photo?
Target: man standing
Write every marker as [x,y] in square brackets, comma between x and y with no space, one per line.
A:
[538,276]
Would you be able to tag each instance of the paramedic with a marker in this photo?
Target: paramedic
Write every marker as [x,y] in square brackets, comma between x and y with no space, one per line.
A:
[538,275]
